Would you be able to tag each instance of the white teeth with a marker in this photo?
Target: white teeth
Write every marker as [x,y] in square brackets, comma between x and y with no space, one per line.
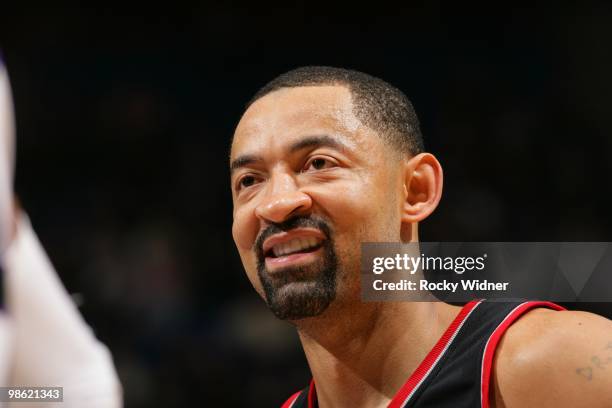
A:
[295,245]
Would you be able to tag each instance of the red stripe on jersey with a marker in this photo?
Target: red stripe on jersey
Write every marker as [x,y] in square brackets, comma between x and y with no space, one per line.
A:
[489,351]
[312,394]
[291,400]
[419,375]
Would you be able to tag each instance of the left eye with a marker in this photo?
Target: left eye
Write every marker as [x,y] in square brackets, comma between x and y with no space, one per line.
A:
[319,163]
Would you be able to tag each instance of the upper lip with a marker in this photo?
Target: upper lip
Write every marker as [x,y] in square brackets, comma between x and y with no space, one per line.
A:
[286,236]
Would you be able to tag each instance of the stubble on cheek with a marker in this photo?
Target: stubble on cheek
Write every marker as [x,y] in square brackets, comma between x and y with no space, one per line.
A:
[249,265]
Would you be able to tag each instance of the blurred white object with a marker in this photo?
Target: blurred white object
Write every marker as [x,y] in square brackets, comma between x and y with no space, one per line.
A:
[7,135]
[52,344]
[7,157]
[6,343]
[44,341]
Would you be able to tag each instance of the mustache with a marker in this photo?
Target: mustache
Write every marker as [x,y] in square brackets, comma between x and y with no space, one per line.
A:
[296,222]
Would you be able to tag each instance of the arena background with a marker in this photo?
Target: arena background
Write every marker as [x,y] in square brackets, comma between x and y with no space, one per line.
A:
[124,118]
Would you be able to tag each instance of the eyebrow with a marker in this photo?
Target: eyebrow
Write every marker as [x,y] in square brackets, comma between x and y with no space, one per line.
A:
[305,143]
[244,161]
[317,141]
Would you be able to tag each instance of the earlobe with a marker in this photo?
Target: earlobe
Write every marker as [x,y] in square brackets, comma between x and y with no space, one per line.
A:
[422,187]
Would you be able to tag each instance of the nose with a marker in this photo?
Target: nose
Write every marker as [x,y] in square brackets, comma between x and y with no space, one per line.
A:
[282,200]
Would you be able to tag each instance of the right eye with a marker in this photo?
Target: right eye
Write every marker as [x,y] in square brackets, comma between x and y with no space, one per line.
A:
[246,181]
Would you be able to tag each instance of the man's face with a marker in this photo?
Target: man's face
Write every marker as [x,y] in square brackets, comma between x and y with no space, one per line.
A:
[310,183]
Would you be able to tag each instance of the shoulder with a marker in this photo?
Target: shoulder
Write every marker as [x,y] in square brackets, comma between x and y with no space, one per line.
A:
[555,359]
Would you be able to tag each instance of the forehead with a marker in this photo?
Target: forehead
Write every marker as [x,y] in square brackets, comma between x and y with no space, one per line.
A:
[288,113]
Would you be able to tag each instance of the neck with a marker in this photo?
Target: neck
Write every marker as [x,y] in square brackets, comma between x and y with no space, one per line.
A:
[363,354]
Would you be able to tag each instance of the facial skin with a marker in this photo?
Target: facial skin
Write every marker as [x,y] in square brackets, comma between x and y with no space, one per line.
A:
[303,166]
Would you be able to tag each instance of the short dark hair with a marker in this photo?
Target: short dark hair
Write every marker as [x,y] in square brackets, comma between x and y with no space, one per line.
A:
[376,103]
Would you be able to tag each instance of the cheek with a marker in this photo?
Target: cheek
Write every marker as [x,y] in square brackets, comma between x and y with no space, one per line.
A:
[244,232]
[362,213]
[244,228]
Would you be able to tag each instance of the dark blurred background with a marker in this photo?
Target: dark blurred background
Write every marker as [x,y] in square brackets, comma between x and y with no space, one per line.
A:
[125,114]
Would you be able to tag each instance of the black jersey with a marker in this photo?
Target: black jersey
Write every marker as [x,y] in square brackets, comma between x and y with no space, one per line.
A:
[456,373]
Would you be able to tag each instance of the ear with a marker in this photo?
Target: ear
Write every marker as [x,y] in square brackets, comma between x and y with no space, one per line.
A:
[422,187]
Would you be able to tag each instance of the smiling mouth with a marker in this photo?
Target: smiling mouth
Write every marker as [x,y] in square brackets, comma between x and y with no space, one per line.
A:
[300,245]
